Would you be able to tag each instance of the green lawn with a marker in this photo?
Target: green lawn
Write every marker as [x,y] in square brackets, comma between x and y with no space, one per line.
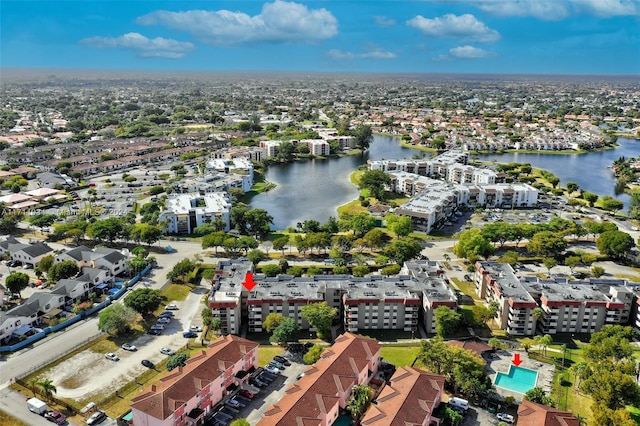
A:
[8,420]
[267,352]
[467,287]
[400,355]
[176,292]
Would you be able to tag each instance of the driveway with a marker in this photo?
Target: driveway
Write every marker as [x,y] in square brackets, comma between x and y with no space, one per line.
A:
[272,394]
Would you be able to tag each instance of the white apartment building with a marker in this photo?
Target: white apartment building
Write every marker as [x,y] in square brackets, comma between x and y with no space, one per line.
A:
[317,147]
[497,282]
[271,148]
[185,212]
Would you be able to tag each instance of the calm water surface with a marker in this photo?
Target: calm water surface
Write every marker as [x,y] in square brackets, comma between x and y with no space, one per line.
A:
[314,189]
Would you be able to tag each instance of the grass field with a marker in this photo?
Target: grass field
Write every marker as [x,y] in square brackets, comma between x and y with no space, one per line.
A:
[267,352]
[400,355]
[176,292]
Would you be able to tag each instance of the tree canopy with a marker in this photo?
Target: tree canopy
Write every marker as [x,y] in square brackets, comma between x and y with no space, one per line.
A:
[375,182]
[320,316]
[286,331]
[16,282]
[63,270]
[615,243]
[116,319]
[143,300]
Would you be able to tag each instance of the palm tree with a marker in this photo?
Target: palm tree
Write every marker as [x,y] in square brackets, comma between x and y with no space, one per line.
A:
[538,314]
[580,370]
[361,396]
[47,388]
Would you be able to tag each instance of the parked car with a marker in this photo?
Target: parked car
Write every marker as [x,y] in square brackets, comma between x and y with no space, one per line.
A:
[246,393]
[171,307]
[195,328]
[164,320]
[166,314]
[507,418]
[55,417]
[282,360]
[189,335]
[96,418]
[167,351]
[234,403]
[278,365]
[257,382]
[154,332]
[27,266]
[111,356]
[148,363]
[128,347]
[272,369]
[157,327]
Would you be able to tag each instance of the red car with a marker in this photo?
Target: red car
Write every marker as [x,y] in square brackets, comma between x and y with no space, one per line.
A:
[247,393]
[55,417]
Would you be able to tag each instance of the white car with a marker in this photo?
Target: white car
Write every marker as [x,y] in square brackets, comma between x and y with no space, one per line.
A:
[508,418]
[111,356]
[195,328]
[171,307]
[128,347]
[167,351]
[271,369]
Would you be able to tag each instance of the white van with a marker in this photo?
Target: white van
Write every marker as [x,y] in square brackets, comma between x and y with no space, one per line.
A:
[459,403]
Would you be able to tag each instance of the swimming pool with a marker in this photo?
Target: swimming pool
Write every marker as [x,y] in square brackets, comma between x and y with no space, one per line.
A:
[518,379]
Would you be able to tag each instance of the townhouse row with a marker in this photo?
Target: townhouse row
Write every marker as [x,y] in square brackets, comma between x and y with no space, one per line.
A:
[193,393]
[98,270]
[400,303]
[567,306]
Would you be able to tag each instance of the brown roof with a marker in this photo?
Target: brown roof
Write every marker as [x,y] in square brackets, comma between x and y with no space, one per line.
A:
[313,396]
[473,345]
[533,414]
[410,399]
[179,386]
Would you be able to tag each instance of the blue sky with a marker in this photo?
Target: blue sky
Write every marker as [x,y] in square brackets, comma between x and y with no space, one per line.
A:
[427,36]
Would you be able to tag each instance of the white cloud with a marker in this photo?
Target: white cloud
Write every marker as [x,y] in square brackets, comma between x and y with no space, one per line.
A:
[465,52]
[279,21]
[369,53]
[551,10]
[146,47]
[606,8]
[383,21]
[464,27]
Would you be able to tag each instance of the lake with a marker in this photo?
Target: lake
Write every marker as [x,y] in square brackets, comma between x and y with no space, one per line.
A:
[314,189]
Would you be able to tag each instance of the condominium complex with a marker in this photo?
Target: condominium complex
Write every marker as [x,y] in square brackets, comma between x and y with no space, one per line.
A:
[374,302]
[187,395]
[435,201]
[568,306]
[446,183]
[496,282]
[185,212]
[316,399]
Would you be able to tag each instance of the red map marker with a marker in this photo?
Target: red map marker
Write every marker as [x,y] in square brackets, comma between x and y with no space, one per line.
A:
[516,358]
[248,282]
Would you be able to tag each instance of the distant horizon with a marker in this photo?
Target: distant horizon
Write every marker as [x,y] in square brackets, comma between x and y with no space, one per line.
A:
[503,37]
[34,70]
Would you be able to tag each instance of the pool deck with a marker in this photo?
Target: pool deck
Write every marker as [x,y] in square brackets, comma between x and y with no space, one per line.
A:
[502,361]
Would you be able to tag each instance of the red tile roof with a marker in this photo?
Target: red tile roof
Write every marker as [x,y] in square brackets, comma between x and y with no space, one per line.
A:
[317,392]
[533,414]
[179,386]
[410,399]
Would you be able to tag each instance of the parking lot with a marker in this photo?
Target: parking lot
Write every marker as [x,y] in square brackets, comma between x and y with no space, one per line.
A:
[252,409]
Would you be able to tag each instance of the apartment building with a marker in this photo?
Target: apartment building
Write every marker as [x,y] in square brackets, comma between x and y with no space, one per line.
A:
[317,147]
[185,212]
[186,395]
[581,306]
[410,398]
[568,306]
[316,399]
[496,282]
[374,302]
